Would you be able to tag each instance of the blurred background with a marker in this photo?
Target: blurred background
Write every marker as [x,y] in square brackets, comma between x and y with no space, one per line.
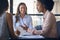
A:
[32,11]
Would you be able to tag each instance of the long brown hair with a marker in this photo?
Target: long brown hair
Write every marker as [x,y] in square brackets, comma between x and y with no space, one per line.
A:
[18,11]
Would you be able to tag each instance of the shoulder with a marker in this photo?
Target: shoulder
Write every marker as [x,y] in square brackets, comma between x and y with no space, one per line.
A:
[9,14]
[50,14]
[28,16]
[9,18]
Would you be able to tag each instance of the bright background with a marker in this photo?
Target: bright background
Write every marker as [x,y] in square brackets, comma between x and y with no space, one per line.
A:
[31,9]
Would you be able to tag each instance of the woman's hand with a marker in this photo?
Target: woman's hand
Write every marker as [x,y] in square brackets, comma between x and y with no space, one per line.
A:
[35,32]
[25,27]
[14,36]
[17,32]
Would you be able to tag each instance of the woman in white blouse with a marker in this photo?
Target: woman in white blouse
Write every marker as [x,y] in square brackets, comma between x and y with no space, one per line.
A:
[22,19]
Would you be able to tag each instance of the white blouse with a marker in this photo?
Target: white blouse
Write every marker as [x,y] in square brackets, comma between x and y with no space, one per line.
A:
[26,20]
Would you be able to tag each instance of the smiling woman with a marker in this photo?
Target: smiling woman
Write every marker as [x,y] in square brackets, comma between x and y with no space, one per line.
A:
[31,8]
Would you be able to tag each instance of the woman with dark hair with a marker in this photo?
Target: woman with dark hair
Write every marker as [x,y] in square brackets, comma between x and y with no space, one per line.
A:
[49,21]
[5,21]
[22,19]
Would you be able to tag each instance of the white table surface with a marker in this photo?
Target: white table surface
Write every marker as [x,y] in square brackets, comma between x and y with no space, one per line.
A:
[28,36]
[32,36]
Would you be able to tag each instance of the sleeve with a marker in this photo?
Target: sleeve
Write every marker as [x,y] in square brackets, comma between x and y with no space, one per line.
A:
[14,24]
[30,23]
[47,24]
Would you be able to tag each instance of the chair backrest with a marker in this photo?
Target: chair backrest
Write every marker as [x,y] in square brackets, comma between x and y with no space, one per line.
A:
[58,28]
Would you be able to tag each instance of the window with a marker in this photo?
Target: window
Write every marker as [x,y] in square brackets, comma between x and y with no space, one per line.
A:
[56,9]
[8,7]
[31,9]
[37,20]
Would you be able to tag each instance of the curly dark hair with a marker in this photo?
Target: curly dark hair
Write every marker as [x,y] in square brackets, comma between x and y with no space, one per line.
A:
[47,3]
[3,6]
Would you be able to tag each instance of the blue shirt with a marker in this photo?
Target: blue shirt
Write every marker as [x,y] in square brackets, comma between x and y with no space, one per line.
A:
[26,20]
